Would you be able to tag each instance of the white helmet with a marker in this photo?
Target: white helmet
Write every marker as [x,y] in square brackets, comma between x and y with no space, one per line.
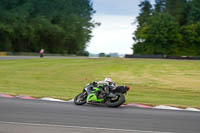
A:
[108,80]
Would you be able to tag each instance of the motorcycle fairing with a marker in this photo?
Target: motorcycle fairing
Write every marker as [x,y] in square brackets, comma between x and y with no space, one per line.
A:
[92,94]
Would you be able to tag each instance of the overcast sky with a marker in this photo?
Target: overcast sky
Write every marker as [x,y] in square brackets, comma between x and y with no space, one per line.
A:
[115,33]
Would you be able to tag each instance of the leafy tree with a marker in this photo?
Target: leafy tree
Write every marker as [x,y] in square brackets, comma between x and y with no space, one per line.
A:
[173,28]
[191,39]
[160,6]
[161,36]
[177,8]
[5,35]
[102,54]
[142,20]
[145,12]
[194,12]
[58,26]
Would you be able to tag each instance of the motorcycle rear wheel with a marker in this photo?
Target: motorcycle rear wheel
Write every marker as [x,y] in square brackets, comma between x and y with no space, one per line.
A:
[80,99]
[116,102]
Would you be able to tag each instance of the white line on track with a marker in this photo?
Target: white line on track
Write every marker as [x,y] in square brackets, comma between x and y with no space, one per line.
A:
[81,127]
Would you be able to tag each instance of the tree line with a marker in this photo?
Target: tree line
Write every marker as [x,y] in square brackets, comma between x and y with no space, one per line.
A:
[170,27]
[58,26]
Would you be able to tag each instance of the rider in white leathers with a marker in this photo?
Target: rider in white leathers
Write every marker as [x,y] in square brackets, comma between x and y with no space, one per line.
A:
[105,86]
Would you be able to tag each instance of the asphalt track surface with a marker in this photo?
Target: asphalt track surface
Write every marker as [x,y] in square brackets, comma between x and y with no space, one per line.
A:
[17,116]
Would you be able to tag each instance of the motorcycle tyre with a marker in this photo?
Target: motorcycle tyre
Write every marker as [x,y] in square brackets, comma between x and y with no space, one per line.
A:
[79,103]
[117,103]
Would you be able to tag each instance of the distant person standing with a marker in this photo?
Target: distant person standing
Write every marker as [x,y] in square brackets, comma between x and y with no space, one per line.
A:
[41,53]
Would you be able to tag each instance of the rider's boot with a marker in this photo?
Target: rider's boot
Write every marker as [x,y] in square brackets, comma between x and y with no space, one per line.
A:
[101,95]
[111,95]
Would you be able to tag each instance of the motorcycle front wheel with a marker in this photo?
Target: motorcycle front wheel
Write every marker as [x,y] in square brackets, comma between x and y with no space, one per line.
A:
[80,99]
[116,101]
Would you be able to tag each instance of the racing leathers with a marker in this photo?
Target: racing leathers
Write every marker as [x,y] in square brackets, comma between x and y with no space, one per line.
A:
[104,87]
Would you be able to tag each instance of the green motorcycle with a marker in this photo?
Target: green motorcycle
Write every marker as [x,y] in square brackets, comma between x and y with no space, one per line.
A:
[92,95]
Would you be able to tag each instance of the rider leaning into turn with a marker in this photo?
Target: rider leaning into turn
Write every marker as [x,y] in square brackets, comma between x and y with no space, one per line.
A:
[105,86]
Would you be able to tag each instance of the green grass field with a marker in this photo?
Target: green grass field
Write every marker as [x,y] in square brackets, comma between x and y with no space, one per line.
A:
[153,82]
